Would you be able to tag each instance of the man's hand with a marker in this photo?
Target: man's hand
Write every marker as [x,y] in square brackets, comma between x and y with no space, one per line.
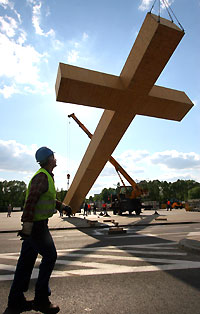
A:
[67,210]
[26,230]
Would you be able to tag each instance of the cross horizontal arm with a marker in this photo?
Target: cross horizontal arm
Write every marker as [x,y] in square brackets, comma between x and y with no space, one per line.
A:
[86,87]
[165,103]
[101,90]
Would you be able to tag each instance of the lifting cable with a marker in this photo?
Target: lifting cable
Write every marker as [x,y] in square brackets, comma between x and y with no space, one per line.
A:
[169,9]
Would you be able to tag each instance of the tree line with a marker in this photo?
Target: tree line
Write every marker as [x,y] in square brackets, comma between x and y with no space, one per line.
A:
[13,192]
[160,191]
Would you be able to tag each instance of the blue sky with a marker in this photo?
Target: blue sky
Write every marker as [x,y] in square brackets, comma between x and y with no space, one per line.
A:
[36,35]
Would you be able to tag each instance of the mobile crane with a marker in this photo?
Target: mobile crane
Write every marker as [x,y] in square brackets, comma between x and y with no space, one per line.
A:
[127,197]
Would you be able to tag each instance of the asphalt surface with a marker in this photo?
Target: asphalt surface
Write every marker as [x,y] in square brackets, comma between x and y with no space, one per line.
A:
[141,271]
[147,217]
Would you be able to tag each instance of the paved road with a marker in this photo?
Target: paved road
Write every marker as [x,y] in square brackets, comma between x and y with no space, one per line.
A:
[142,271]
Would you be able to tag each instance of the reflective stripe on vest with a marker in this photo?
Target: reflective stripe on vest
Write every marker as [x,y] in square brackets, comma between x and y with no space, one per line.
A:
[46,204]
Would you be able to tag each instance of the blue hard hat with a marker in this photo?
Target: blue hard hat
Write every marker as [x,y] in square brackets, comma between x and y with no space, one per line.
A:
[43,153]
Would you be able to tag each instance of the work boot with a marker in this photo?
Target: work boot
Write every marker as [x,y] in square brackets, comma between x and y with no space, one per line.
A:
[45,306]
[19,308]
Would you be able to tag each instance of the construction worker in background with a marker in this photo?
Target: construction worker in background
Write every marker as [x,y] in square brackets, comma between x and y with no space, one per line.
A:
[9,210]
[40,204]
[169,207]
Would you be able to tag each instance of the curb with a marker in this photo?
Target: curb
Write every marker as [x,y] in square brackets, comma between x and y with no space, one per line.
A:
[106,226]
[192,246]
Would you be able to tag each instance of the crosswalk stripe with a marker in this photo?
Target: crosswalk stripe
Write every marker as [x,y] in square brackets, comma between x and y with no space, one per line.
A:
[141,235]
[129,251]
[125,258]
[194,233]
[110,257]
[7,267]
[111,249]
[126,269]
[109,260]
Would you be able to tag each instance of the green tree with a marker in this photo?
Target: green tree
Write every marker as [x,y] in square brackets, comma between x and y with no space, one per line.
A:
[154,190]
[12,192]
[91,200]
[97,197]
[105,195]
[60,195]
[194,193]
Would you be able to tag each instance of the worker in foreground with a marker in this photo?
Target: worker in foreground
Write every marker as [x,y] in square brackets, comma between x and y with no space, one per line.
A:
[40,204]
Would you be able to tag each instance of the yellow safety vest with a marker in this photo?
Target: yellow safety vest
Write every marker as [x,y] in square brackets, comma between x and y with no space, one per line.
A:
[45,207]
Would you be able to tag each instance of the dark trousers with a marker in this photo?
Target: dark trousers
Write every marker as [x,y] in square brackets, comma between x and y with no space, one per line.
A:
[40,242]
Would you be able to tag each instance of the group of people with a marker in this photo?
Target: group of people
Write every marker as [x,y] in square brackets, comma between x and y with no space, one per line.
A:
[88,208]
[40,205]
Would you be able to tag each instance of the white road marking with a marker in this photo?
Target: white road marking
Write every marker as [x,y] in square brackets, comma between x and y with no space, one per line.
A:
[7,267]
[138,235]
[93,261]
[125,269]
[129,251]
[134,233]
[194,233]
[132,236]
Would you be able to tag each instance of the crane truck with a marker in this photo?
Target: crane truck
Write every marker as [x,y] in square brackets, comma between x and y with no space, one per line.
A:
[127,198]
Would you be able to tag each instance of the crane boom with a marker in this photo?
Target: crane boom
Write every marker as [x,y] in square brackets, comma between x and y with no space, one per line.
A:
[80,124]
[136,190]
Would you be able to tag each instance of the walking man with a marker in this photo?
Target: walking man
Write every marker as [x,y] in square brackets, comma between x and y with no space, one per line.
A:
[40,204]
[9,210]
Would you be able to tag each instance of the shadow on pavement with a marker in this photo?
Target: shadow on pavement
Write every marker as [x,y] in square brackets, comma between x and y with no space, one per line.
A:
[104,239]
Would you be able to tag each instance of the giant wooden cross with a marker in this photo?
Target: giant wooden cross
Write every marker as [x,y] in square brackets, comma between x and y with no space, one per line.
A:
[122,97]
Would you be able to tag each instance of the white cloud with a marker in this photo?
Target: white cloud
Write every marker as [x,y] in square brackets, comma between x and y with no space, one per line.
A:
[143,165]
[196,102]
[36,20]
[146,4]
[22,37]
[134,156]
[73,56]
[8,91]
[9,4]
[85,36]
[57,44]
[16,157]
[4,3]
[20,64]
[19,160]
[177,160]
[75,53]
[8,25]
